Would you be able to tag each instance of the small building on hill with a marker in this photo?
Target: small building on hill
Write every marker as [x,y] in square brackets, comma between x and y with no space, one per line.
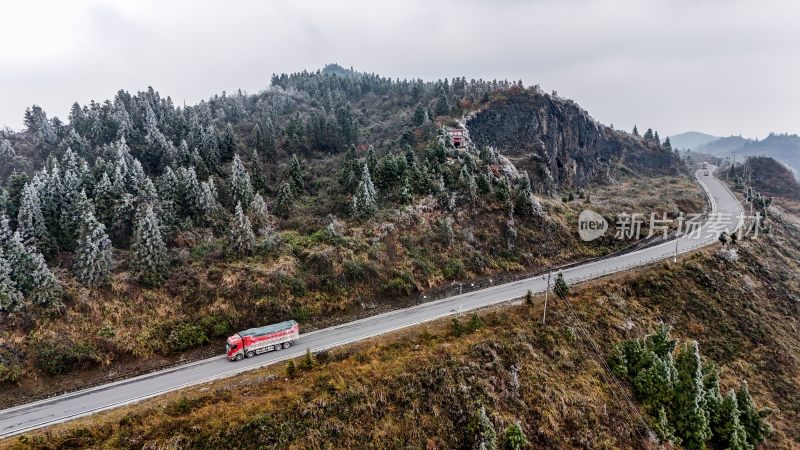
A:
[457,136]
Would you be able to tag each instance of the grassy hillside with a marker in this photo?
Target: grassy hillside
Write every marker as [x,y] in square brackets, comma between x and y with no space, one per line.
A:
[425,387]
[319,277]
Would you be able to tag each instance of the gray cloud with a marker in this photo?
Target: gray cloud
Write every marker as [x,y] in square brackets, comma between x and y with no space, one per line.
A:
[717,66]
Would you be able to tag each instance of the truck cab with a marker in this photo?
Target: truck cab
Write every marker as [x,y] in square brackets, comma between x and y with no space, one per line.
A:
[234,348]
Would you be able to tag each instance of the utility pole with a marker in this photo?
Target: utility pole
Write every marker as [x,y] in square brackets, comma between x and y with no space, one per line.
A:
[544,314]
[677,239]
[460,291]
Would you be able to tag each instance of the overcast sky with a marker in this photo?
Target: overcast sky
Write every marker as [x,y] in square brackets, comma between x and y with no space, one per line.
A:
[719,66]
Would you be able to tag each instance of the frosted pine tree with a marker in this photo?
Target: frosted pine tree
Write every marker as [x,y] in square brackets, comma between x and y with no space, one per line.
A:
[105,200]
[30,272]
[5,231]
[7,153]
[365,200]
[46,288]
[260,217]
[241,239]
[119,178]
[10,296]
[208,198]
[296,175]
[482,430]
[406,192]
[526,203]
[241,187]
[121,118]
[73,204]
[50,198]
[167,185]
[94,256]
[372,159]
[691,417]
[30,221]
[284,199]
[149,254]
[188,195]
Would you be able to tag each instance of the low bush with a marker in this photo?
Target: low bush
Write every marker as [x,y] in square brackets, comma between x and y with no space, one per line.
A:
[9,373]
[401,285]
[454,268]
[185,336]
[55,357]
[215,325]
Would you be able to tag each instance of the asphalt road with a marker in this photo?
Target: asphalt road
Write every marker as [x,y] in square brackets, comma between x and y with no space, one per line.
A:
[39,414]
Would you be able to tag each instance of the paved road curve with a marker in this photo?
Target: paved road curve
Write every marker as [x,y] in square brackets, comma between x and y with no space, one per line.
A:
[69,406]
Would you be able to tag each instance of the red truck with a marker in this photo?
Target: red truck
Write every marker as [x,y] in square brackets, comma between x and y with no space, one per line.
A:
[253,341]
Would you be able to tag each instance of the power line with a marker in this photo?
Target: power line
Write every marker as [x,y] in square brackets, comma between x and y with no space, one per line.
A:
[604,366]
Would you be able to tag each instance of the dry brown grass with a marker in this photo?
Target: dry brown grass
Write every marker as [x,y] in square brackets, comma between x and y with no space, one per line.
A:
[418,387]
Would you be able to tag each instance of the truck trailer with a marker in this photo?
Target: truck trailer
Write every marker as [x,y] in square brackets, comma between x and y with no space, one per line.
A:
[254,341]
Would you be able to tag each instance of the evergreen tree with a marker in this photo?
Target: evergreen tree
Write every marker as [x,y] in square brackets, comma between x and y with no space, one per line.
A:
[167,186]
[348,171]
[514,438]
[31,274]
[420,116]
[663,429]
[46,290]
[260,217]
[31,223]
[482,432]
[635,131]
[655,380]
[503,192]
[10,296]
[525,203]
[16,183]
[296,175]
[648,135]
[207,200]
[291,370]
[94,256]
[241,239]
[365,200]
[667,144]
[284,200]
[690,415]
[148,252]
[189,200]
[442,105]
[241,186]
[406,192]
[74,203]
[105,200]
[372,160]
[730,431]
[713,396]
[444,231]
[50,198]
[258,137]
[753,421]
[561,288]
[5,231]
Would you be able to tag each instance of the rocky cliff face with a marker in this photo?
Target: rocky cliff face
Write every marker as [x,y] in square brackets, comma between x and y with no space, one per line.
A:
[560,145]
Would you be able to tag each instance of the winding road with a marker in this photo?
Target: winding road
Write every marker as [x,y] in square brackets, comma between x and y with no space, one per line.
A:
[725,215]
